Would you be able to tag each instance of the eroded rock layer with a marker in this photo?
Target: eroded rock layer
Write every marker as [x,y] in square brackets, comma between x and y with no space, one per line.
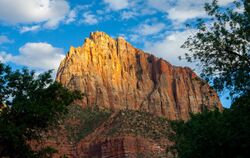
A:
[113,74]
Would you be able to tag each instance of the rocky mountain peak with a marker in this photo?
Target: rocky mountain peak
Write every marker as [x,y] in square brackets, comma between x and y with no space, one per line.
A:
[99,35]
[116,75]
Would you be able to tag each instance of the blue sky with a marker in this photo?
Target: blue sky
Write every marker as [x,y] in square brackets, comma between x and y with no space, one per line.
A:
[38,33]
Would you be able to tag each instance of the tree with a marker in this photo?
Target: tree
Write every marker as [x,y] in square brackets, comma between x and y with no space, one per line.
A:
[34,103]
[215,134]
[221,47]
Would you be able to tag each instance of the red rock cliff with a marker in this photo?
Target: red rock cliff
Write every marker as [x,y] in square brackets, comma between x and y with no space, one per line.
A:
[116,75]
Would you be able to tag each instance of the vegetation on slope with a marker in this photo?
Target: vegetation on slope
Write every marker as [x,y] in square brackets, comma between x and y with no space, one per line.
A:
[80,122]
[143,124]
[140,124]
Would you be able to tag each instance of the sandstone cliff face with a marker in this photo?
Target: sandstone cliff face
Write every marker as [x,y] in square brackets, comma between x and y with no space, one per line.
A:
[124,146]
[116,75]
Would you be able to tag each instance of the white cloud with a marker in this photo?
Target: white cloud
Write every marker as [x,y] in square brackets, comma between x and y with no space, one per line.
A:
[147,11]
[4,57]
[128,15]
[48,12]
[5,39]
[179,10]
[179,15]
[41,56]
[150,29]
[169,48]
[134,38]
[161,5]
[182,10]
[89,18]
[176,10]
[224,2]
[117,4]
[71,17]
[29,28]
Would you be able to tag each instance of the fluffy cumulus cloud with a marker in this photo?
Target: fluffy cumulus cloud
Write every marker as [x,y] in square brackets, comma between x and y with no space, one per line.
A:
[48,13]
[117,4]
[5,39]
[169,47]
[41,56]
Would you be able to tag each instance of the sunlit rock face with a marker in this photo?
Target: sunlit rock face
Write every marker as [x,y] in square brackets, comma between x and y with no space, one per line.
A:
[113,74]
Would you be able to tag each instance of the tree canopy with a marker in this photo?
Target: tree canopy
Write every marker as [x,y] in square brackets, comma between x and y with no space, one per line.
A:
[33,104]
[221,46]
[215,134]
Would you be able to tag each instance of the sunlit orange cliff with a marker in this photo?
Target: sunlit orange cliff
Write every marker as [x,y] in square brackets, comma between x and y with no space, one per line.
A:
[113,74]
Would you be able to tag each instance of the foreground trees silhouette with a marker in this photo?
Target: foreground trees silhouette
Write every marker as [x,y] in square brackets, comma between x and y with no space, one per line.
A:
[221,47]
[32,105]
[215,134]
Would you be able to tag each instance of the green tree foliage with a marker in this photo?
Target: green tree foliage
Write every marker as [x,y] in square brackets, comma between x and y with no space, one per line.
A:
[215,134]
[221,46]
[34,103]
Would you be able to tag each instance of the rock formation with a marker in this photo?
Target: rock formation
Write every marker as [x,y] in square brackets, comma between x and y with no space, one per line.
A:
[125,133]
[113,74]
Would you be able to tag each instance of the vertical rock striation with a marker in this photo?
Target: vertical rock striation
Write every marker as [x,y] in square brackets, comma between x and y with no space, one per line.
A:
[116,75]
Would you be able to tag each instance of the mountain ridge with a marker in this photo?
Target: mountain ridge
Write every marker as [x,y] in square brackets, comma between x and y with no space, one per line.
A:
[116,75]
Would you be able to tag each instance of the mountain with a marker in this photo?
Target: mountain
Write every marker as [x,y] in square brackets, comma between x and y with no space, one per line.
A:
[115,75]
[130,96]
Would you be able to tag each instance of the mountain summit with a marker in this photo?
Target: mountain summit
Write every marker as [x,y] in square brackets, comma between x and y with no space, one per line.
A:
[114,74]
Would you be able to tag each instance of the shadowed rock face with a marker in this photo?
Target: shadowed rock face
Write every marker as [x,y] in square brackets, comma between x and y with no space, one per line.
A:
[116,75]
